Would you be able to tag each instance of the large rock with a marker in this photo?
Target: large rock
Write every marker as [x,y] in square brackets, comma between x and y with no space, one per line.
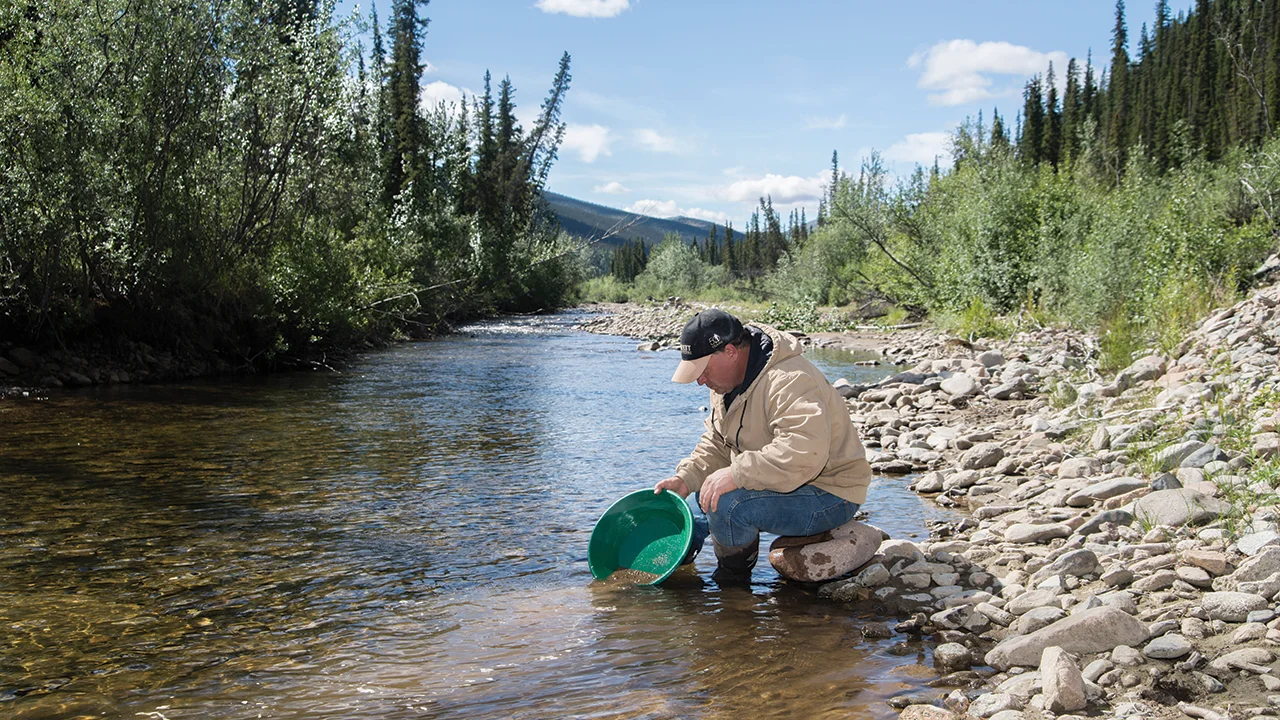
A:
[1259,567]
[991,358]
[1076,562]
[1063,684]
[1172,456]
[950,657]
[1007,390]
[982,455]
[960,385]
[1026,533]
[1142,369]
[1079,467]
[926,712]
[1178,507]
[1090,631]
[1104,490]
[1231,606]
[841,551]
[1167,647]
[25,358]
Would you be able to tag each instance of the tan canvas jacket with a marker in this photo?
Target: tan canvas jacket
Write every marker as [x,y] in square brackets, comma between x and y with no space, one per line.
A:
[789,428]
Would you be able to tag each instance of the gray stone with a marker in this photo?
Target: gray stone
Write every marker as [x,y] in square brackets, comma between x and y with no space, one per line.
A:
[1076,563]
[1004,391]
[1172,456]
[1145,368]
[1194,576]
[1115,517]
[1167,647]
[1078,467]
[982,455]
[1178,507]
[873,575]
[1160,580]
[984,706]
[1105,489]
[1036,618]
[1254,659]
[930,483]
[1166,481]
[1254,543]
[25,358]
[999,616]
[1231,606]
[1259,567]
[1026,533]
[990,358]
[950,657]
[960,386]
[1203,456]
[1126,655]
[1090,631]
[1064,689]
[1034,599]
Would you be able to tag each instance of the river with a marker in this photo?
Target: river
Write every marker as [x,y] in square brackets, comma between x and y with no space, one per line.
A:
[405,539]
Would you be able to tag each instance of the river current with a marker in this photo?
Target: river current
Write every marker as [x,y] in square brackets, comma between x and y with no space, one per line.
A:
[404,539]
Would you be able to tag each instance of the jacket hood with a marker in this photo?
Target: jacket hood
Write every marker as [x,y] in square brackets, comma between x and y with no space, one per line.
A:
[785,345]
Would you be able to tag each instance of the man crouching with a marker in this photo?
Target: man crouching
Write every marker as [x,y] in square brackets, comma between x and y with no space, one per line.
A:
[779,454]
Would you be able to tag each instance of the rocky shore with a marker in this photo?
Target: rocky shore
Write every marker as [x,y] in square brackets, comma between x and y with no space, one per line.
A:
[1120,557]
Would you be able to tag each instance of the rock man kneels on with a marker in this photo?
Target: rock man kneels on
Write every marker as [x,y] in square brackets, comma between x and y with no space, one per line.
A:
[779,455]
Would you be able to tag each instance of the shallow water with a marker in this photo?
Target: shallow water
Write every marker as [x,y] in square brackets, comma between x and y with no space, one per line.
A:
[406,539]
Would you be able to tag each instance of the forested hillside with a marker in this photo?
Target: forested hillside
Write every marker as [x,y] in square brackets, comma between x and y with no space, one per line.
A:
[252,180]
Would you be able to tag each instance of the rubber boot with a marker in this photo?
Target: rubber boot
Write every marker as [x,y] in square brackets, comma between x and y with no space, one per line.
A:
[736,562]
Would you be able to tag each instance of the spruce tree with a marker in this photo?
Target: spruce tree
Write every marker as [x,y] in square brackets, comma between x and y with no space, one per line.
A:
[1051,140]
[1118,100]
[1031,145]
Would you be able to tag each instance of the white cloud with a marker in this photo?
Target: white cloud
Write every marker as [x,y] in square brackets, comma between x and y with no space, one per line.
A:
[921,148]
[611,188]
[590,141]
[959,71]
[437,92]
[826,123]
[655,141]
[670,208]
[584,8]
[783,189]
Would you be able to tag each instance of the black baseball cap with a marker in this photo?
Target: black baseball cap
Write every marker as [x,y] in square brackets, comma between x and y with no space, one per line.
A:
[706,333]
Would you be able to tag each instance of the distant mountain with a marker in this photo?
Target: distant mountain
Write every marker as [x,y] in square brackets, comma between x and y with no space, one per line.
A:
[589,220]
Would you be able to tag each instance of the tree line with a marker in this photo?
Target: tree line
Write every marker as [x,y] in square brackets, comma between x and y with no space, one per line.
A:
[249,180]
[1207,79]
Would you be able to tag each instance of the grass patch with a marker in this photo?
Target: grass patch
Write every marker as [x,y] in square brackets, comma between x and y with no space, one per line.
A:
[1120,339]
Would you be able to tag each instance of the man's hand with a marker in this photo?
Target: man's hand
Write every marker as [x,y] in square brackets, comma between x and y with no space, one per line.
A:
[674,484]
[716,484]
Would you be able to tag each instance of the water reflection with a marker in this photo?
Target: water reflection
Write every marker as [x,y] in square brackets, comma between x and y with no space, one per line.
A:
[406,539]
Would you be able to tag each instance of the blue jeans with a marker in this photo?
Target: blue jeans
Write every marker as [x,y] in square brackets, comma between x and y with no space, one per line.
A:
[742,515]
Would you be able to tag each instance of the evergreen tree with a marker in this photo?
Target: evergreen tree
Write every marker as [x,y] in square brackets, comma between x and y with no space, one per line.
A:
[999,138]
[1031,145]
[408,142]
[1051,140]
[1118,93]
[1071,113]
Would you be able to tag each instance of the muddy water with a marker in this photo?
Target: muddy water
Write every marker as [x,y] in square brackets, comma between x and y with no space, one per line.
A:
[407,539]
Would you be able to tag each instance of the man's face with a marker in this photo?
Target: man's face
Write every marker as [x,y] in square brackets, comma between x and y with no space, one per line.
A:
[725,370]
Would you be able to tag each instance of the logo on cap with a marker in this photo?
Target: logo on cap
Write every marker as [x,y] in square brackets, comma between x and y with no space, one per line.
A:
[715,340]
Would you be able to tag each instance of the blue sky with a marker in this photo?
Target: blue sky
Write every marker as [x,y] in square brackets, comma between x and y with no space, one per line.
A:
[699,107]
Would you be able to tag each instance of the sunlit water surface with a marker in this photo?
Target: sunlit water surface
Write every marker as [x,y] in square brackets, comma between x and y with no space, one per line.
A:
[406,539]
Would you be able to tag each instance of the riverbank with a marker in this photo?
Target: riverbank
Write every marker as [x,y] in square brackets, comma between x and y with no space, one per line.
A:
[1122,557]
